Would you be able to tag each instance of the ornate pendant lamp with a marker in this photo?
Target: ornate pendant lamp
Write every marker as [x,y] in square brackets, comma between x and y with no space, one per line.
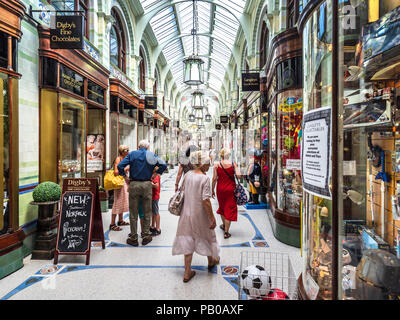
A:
[192,117]
[208,117]
[193,66]
[197,99]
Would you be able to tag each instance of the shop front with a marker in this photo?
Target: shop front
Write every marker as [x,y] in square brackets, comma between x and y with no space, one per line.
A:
[280,135]
[351,123]
[11,235]
[124,116]
[72,113]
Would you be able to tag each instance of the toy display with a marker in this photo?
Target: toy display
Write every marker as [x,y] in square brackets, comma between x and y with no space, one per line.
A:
[290,134]
[256,281]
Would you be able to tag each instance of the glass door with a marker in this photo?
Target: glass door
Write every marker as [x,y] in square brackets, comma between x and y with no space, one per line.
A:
[72,155]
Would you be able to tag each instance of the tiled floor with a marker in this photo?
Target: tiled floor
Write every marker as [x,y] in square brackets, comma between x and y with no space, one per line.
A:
[150,272]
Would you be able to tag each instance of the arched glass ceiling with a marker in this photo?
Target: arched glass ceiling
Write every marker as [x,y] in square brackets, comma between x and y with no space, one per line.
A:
[213,19]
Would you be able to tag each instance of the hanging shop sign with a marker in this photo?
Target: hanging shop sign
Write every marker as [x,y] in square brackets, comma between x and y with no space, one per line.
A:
[150,103]
[218,126]
[316,164]
[80,218]
[95,152]
[71,81]
[250,81]
[224,119]
[68,33]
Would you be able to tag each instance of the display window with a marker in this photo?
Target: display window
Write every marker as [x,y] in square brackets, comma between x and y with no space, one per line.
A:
[272,152]
[96,143]
[369,96]
[128,132]
[72,138]
[123,124]
[290,115]
[317,220]
[4,155]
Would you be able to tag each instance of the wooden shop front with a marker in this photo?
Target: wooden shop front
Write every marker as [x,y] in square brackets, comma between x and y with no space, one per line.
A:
[11,235]
[73,88]
[124,116]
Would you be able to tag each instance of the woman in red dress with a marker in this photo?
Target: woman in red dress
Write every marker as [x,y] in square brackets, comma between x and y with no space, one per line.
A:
[224,178]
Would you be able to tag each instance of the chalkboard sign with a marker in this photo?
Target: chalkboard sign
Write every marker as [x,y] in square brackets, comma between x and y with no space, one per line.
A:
[80,220]
[75,222]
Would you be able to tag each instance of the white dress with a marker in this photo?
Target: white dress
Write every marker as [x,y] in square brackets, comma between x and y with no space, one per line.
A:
[194,233]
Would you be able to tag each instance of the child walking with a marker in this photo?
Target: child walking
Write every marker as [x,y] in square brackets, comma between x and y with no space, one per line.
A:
[155,219]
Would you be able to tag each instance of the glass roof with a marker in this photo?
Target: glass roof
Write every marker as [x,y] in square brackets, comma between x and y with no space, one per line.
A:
[217,29]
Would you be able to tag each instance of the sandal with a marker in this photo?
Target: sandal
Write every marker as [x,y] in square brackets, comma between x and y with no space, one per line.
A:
[114,227]
[216,261]
[227,235]
[222,227]
[123,223]
[191,276]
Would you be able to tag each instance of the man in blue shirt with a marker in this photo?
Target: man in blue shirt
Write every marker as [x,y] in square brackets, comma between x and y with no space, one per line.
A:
[142,165]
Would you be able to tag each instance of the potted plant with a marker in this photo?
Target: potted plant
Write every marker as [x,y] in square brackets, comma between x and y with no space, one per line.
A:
[46,196]
[103,195]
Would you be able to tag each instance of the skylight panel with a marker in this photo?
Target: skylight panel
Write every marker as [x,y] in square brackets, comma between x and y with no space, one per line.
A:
[148,3]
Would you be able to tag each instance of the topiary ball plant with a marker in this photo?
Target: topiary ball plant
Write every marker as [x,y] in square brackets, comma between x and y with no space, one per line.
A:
[47,191]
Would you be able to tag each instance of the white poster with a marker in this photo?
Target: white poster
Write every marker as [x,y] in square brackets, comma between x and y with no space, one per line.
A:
[316,152]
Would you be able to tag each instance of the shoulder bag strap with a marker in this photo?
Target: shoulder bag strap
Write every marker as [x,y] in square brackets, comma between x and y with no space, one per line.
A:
[227,173]
[183,183]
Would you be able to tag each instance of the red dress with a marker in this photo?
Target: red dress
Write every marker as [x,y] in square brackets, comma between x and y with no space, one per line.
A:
[225,193]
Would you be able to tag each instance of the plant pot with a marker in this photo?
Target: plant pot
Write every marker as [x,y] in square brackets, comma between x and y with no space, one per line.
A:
[103,195]
[46,239]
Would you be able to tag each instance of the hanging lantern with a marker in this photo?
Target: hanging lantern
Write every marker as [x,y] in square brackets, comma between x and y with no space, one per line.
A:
[197,100]
[192,117]
[208,117]
[193,72]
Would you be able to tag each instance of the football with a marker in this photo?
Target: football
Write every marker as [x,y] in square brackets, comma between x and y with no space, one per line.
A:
[256,281]
[276,294]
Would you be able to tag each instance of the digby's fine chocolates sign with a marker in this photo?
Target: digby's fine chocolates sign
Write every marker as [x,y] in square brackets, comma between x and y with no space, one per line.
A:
[67,33]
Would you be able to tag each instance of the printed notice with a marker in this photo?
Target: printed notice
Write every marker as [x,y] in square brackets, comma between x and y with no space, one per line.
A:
[316,152]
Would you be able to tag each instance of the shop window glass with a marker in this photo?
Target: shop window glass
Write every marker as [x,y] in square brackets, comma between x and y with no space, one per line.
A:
[317,219]
[71,81]
[369,56]
[72,138]
[49,72]
[95,92]
[113,136]
[290,115]
[95,144]
[3,50]
[4,155]
[128,132]
[272,151]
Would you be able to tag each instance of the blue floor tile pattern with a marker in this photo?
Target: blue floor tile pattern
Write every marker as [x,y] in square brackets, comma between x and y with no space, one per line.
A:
[227,273]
